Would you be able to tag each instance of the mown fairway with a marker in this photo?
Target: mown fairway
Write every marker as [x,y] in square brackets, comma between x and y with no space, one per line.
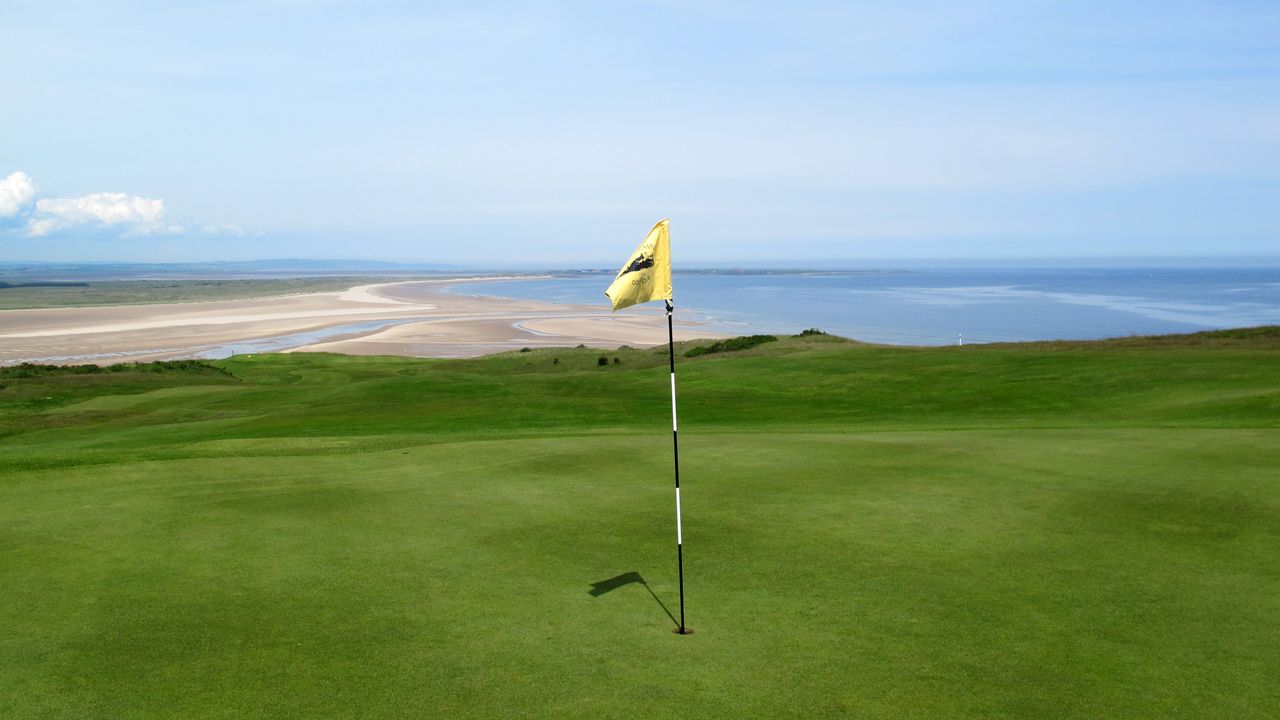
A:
[1074,530]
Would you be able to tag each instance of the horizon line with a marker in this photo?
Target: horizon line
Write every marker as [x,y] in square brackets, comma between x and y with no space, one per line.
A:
[724,263]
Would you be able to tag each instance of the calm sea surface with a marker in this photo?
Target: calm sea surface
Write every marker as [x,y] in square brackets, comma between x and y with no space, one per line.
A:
[935,307]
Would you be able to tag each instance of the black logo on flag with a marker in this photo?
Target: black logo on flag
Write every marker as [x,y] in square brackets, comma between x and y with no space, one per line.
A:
[639,263]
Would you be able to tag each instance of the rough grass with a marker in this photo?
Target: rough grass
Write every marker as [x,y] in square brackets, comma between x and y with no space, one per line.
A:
[1053,530]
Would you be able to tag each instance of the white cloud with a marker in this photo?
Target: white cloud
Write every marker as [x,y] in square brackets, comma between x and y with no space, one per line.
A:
[100,214]
[132,214]
[15,192]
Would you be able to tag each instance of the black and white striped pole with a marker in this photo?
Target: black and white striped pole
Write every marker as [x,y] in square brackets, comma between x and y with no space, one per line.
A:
[675,447]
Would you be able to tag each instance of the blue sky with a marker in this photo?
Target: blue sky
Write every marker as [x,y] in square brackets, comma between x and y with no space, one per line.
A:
[556,133]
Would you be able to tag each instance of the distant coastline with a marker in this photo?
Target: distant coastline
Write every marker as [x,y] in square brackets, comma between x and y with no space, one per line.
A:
[56,270]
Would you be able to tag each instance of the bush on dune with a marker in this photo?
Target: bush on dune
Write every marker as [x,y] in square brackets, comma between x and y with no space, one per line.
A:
[738,343]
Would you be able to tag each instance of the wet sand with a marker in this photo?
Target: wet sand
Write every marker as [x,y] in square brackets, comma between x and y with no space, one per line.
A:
[430,323]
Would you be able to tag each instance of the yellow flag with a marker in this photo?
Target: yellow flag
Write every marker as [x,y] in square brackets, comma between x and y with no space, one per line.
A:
[647,275]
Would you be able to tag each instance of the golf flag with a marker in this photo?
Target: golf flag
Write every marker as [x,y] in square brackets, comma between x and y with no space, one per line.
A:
[647,275]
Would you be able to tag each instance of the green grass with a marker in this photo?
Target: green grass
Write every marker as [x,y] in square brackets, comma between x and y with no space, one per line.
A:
[141,292]
[1066,530]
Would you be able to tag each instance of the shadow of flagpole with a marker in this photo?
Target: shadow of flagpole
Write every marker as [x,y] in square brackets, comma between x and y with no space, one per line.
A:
[601,587]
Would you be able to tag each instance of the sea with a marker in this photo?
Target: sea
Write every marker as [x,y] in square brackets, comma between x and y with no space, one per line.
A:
[941,306]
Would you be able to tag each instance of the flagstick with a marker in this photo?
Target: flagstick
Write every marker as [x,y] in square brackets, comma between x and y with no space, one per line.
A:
[675,447]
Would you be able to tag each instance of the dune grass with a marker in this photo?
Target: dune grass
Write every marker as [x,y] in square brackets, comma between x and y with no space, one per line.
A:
[142,292]
[1052,530]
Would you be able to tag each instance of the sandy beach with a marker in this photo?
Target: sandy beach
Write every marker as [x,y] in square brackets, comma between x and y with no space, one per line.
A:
[414,318]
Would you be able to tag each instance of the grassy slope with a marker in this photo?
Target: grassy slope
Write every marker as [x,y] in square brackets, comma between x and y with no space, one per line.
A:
[142,292]
[1057,530]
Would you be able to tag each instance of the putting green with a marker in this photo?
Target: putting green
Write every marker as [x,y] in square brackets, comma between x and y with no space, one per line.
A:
[1077,530]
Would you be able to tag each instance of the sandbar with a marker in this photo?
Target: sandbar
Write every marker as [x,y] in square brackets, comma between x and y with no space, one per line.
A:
[417,318]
